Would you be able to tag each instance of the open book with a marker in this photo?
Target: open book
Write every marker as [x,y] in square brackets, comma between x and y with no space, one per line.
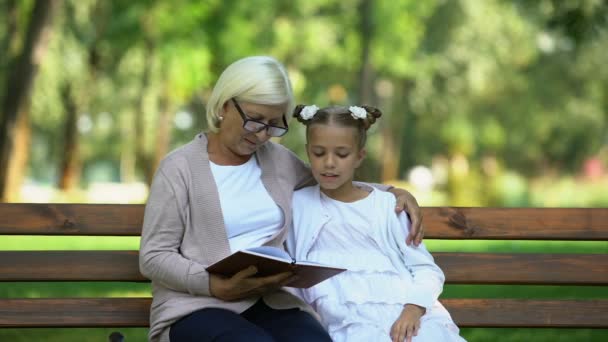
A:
[272,260]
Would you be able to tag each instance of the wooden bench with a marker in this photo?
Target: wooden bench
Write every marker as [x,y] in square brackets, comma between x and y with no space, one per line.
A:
[442,223]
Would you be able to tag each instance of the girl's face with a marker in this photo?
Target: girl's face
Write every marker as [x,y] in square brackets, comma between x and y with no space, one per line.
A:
[334,156]
[235,137]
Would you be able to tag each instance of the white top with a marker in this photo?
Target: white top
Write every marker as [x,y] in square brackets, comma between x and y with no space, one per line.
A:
[368,239]
[240,187]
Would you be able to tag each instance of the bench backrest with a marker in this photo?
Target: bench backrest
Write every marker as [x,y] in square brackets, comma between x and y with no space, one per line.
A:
[441,223]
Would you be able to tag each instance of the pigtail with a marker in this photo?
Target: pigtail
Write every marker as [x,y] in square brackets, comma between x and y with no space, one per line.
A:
[373,114]
[297,113]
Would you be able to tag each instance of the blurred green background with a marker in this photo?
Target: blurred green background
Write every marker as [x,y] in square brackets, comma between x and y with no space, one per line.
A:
[486,103]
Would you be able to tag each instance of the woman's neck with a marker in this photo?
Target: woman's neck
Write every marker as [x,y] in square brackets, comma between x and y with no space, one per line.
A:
[220,154]
[347,193]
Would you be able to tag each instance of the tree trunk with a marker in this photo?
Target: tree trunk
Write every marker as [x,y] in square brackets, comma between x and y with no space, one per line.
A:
[20,80]
[398,133]
[390,150]
[8,46]
[163,138]
[407,127]
[70,166]
[127,152]
[143,160]
[77,99]
[370,170]
[366,73]
[8,42]
[389,128]
[17,165]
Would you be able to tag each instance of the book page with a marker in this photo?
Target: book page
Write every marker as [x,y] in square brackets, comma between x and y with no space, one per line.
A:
[312,263]
[282,255]
[271,251]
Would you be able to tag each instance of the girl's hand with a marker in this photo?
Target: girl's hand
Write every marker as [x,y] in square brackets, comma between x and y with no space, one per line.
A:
[407,202]
[408,323]
[244,284]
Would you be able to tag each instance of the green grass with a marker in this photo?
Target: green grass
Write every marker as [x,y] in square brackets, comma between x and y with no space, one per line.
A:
[536,335]
[69,335]
[25,243]
[500,246]
[73,289]
[117,289]
[34,243]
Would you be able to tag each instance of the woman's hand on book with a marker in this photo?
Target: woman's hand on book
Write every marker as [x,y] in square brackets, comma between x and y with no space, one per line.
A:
[408,323]
[245,284]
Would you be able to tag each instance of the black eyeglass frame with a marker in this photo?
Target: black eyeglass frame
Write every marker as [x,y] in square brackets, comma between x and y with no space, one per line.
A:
[273,131]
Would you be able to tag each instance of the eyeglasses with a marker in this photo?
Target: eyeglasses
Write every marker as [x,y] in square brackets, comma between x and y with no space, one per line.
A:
[255,126]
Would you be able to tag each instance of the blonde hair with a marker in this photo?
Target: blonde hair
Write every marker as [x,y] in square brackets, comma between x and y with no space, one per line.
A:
[256,79]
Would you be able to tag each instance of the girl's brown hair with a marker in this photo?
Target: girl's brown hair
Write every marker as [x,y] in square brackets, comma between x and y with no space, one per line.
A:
[341,116]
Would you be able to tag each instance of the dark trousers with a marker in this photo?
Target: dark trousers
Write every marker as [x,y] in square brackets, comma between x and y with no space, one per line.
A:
[258,323]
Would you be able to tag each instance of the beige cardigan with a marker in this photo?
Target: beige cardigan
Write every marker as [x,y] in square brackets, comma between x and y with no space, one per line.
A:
[183,231]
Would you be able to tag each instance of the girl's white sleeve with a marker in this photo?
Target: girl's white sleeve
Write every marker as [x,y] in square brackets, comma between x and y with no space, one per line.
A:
[427,277]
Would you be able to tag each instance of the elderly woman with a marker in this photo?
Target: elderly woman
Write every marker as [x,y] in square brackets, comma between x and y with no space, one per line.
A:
[230,189]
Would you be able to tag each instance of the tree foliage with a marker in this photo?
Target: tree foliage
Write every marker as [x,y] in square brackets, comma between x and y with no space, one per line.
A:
[517,82]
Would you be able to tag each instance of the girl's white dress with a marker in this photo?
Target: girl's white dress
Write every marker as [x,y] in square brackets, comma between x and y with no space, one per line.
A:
[367,239]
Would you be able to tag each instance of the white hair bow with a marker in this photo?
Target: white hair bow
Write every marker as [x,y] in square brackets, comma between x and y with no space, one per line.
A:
[357,112]
[308,112]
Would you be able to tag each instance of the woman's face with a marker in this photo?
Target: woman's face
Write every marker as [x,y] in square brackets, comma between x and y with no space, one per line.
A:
[239,140]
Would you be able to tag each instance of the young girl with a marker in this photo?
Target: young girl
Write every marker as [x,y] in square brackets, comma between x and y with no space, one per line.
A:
[390,290]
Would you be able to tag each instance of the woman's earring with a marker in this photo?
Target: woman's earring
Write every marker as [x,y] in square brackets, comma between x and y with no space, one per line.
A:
[221,118]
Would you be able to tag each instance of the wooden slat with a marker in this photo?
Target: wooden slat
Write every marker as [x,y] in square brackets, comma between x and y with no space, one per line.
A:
[69,266]
[516,223]
[440,222]
[75,312]
[460,268]
[507,313]
[71,219]
[133,312]
[522,269]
